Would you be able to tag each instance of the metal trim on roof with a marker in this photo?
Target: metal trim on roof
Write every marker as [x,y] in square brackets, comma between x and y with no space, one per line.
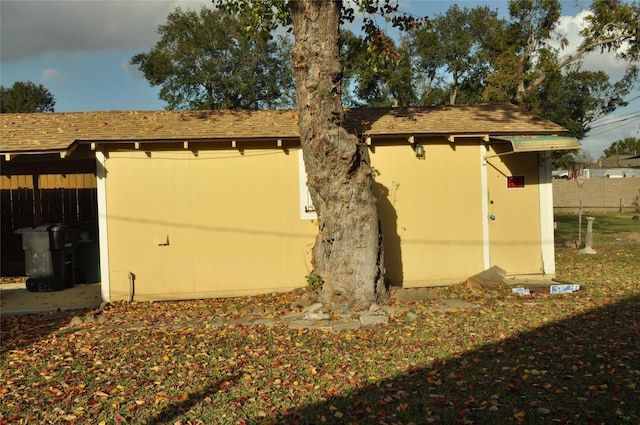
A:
[542,143]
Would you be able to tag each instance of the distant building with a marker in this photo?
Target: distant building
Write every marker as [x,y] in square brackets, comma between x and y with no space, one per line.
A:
[620,161]
[614,167]
[613,173]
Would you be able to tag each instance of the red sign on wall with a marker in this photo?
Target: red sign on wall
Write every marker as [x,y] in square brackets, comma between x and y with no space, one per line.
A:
[515,182]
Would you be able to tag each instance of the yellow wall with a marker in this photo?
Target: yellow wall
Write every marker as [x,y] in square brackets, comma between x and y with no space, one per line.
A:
[437,236]
[225,223]
[231,222]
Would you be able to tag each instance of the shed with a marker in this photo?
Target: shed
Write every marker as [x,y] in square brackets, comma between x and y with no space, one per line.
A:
[197,204]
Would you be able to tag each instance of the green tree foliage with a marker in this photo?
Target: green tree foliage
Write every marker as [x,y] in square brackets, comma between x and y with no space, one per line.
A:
[451,54]
[207,60]
[525,57]
[626,146]
[564,162]
[26,97]
[529,71]
[614,26]
[574,99]
[523,50]
[371,81]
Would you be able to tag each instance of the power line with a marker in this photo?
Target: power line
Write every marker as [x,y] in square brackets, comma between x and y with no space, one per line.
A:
[622,118]
[633,98]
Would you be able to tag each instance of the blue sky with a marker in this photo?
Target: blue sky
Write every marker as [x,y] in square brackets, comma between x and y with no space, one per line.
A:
[80,49]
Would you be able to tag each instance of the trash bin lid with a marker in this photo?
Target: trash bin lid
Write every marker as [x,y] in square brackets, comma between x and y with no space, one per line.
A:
[49,227]
[57,227]
[38,228]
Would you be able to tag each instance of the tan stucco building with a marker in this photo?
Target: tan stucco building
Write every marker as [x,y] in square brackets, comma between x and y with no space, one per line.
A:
[195,204]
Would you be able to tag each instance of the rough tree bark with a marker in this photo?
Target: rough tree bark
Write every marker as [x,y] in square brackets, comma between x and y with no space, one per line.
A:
[348,249]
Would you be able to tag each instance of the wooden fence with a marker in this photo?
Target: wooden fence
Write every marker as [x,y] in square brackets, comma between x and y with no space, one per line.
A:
[29,200]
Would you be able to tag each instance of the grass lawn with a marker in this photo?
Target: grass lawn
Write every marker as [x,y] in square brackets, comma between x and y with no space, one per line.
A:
[568,359]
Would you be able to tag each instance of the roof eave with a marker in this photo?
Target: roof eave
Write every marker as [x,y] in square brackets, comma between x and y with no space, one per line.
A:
[9,155]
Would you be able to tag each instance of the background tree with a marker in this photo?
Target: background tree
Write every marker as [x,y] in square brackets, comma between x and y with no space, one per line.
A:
[614,26]
[626,146]
[574,99]
[26,97]
[369,78]
[585,157]
[526,59]
[450,53]
[207,60]
[470,56]
[564,162]
[524,48]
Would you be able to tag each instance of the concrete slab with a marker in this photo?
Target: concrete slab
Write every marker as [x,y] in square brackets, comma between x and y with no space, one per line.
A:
[346,324]
[458,303]
[369,320]
[416,294]
[15,299]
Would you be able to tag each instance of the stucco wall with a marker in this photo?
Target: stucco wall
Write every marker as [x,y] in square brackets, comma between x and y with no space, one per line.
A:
[219,224]
[431,213]
[227,222]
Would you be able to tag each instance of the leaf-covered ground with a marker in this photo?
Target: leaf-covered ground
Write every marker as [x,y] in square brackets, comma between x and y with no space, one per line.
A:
[569,359]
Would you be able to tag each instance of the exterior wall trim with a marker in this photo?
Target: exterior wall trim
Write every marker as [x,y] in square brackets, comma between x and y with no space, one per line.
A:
[105,288]
[484,193]
[546,213]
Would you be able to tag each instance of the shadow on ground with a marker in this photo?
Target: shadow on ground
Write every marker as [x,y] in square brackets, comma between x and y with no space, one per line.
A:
[21,331]
[582,370]
[175,410]
[27,316]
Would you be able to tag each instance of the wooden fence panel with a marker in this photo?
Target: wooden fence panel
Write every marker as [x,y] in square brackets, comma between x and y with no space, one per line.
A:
[88,205]
[17,212]
[52,204]
[11,246]
[22,207]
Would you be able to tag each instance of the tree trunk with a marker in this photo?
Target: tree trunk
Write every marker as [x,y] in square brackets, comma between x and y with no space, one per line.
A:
[348,249]
[453,94]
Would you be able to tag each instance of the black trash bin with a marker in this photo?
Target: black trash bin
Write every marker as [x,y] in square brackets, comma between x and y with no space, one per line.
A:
[48,256]
[87,254]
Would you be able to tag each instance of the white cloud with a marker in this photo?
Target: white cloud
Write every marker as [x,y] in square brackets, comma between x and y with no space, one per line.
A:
[49,74]
[569,27]
[31,28]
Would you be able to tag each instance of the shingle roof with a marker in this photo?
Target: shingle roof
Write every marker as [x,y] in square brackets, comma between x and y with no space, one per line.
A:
[45,132]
